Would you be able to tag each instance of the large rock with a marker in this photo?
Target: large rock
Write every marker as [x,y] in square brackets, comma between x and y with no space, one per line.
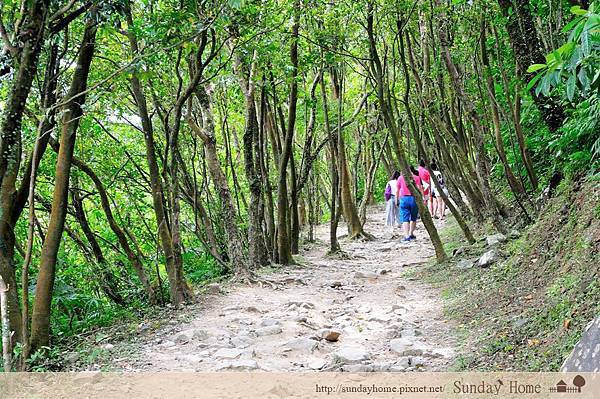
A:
[200,335]
[191,335]
[227,353]
[585,357]
[366,275]
[329,334]
[184,337]
[242,341]
[72,357]
[488,258]
[270,330]
[269,322]
[514,234]
[316,364]
[213,289]
[350,355]
[466,264]
[302,344]
[405,347]
[239,365]
[495,239]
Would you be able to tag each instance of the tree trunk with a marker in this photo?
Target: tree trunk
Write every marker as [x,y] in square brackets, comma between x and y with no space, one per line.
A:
[5,327]
[31,36]
[355,227]
[528,50]
[40,321]
[134,259]
[283,237]
[334,245]
[390,122]
[294,215]
[263,160]
[257,253]
[514,184]
[207,135]
[107,281]
[480,154]
[179,289]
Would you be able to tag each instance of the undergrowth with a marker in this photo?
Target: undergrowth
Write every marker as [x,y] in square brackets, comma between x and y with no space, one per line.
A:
[527,311]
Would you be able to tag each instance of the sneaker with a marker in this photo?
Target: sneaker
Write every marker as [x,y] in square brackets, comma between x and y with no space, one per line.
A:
[412,237]
[405,239]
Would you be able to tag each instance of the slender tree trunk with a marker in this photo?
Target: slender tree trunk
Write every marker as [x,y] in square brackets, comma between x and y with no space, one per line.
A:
[334,245]
[264,167]
[40,321]
[378,75]
[480,154]
[108,282]
[515,115]
[234,238]
[180,291]
[355,227]
[514,184]
[31,36]
[528,50]
[294,215]
[5,327]
[133,257]
[283,237]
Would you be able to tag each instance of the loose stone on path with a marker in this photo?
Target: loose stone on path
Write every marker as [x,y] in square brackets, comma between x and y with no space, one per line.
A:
[330,314]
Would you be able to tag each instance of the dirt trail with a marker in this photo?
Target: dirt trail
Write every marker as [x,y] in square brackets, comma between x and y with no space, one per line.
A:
[386,322]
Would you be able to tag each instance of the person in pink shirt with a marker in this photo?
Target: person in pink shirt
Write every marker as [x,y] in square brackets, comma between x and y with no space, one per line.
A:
[426,180]
[407,206]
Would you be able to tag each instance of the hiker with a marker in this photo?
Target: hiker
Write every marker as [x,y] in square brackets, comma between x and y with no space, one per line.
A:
[407,206]
[426,181]
[391,208]
[439,206]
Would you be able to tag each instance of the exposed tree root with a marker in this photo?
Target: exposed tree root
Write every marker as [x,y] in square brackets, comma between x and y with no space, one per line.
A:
[362,235]
[339,254]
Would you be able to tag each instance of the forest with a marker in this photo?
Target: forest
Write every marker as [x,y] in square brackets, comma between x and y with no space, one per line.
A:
[153,147]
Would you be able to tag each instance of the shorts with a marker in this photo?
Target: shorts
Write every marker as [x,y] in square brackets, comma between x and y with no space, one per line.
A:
[408,211]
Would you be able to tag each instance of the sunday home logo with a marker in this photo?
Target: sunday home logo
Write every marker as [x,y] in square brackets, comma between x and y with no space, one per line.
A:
[563,387]
[496,387]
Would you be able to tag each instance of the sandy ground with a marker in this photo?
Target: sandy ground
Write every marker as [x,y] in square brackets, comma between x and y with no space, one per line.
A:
[385,321]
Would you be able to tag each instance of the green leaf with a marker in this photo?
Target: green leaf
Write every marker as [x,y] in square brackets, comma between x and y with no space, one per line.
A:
[577,10]
[585,42]
[533,81]
[571,84]
[566,49]
[536,67]
[568,27]
[583,78]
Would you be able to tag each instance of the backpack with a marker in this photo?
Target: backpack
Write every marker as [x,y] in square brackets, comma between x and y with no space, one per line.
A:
[388,192]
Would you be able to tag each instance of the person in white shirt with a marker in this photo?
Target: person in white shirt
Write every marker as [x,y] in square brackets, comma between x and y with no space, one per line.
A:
[439,207]
[391,209]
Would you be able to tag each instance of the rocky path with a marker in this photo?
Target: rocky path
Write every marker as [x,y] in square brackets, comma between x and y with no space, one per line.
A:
[356,314]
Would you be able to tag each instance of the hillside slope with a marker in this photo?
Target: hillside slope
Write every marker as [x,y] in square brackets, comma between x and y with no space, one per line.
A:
[527,311]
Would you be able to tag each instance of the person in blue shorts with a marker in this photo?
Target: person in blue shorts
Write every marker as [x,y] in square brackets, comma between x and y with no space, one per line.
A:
[407,206]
